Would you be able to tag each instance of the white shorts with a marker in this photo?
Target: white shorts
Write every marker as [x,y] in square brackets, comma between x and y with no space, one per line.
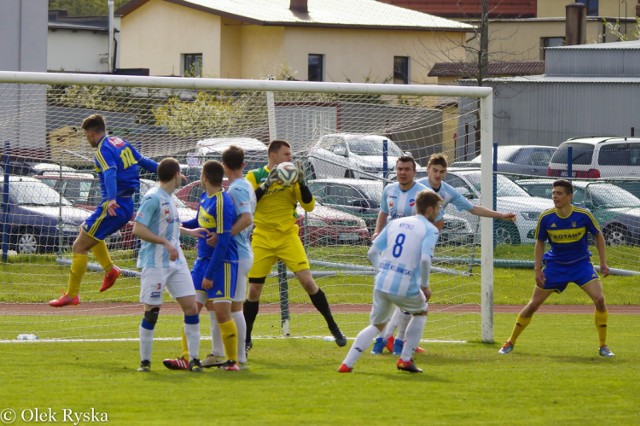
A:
[384,304]
[244,265]
[153,282]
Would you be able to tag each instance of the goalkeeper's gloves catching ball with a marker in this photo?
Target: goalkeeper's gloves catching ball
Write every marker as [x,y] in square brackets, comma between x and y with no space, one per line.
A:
[300,168]
[271,179]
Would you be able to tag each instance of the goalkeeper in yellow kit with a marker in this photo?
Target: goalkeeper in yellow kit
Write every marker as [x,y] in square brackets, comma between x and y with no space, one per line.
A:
[275,237]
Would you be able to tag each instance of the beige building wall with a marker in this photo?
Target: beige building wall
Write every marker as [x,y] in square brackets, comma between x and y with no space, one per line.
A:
[156,35]
[520,40]
[608,8]
[262,52]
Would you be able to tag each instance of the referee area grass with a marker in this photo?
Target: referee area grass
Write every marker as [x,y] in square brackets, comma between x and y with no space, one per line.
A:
[554,376]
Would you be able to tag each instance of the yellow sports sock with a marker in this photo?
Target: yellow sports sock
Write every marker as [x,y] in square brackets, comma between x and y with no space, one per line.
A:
[601,325]
[102,256]
[185,348]
[229,334]
[78,268]
[521,324]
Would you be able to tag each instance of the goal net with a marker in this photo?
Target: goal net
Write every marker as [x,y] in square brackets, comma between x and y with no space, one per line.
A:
[347,135]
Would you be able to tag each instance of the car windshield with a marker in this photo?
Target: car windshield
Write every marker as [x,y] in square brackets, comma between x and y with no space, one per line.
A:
[505,186]
[581,153]
[372,190]
[611,196]
[36,194]
[372,147]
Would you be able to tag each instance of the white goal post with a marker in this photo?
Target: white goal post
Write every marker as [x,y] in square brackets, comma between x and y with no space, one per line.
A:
[41,112]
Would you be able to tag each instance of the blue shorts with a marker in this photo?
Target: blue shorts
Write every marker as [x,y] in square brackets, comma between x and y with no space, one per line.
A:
[224,279]
[100,225]
[558,276]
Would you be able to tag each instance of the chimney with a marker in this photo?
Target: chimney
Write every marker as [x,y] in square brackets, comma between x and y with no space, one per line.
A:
[576,23]
[299,6]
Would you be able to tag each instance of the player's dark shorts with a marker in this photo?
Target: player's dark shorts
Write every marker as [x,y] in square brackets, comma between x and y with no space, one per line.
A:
[224,279]
[100,225]
[558,275]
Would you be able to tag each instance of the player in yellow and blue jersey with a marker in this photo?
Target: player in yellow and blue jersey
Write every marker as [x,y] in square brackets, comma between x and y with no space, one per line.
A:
[566,227]
[215,269]
[117,163]
[275,237]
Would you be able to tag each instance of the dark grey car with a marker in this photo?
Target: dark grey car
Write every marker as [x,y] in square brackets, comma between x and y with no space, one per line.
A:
[518,159]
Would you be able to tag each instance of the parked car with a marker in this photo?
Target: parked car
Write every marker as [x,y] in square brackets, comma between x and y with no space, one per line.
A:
[517,159]
[351,155]
[509,198]
[255,151]
[616,210]
[324,225]
[595,157]
[30,168]
[38,218]
[362,198]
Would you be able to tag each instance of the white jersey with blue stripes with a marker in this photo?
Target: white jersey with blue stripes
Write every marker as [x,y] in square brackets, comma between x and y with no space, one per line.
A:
[244,200]
[449,195]
[402,244]
[159,214]
[397,202]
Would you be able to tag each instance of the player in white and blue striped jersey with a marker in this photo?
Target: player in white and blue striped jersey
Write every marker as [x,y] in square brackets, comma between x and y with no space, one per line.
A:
[401,256]
[399,198]
[163,264]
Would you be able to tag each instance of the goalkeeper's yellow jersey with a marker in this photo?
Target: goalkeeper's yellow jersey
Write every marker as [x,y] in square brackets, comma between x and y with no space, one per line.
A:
[276,210]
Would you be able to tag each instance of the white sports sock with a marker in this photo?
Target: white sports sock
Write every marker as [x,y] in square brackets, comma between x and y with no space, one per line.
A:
[360,345]
[241,326]
[391,325]
[146,340]
[192,331]
[403,322]
[414,334]
[217,347]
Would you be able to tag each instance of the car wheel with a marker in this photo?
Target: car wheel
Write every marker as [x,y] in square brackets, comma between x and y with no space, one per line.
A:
[506,233]
[615,235]
[27,242]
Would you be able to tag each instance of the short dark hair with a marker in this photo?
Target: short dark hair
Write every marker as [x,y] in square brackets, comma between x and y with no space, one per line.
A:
[563,183]
[233,157]
[275,145]
[167,169]
[438,159]
[94,122]
[425,199]
[406,159]
[213,171]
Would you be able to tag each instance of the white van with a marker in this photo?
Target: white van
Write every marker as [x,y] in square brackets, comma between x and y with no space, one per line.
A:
[595,157]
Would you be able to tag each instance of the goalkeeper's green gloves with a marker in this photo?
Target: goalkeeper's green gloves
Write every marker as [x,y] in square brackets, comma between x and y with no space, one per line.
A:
[300,168]
[271,179]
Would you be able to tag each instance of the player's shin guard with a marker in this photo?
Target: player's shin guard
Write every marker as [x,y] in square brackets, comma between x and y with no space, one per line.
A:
[320,302]
[601,319]
[145,331]
[403,321]
[241,326]
[78,268]
[192,332]
[360,345]
[250,311]
[520,325]
[217,346]
[230,339]
[101,253]
[413,335]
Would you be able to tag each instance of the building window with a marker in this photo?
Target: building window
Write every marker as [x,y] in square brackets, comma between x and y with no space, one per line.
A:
[401,70]
[592,6]
[549,42]
[316,67]
[192,65]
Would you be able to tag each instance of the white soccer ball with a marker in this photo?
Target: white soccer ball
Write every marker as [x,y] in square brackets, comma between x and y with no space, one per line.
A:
[287,173]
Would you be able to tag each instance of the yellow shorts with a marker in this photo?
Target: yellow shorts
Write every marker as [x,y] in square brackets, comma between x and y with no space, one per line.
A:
[269,248]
